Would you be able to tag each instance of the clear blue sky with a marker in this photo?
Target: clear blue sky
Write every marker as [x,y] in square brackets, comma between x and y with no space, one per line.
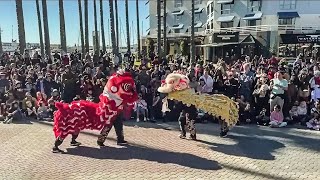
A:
[8,19]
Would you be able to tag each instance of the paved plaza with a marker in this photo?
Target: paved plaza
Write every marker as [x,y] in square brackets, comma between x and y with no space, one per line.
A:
[156,152]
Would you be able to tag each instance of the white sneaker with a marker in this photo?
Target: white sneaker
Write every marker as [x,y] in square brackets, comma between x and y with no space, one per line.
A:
[144,119]
[138,120]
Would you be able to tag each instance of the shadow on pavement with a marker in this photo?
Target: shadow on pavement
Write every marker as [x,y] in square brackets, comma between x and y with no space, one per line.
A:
[251,147]
[145,153]
[299,139]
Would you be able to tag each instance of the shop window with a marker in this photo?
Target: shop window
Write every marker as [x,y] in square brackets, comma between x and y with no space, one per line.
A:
[227,8]
[289,21]
[254,5]
[287,4]
[177,31]
[255,22]
[177,3]
[177,19]
[197,17]
[226,24]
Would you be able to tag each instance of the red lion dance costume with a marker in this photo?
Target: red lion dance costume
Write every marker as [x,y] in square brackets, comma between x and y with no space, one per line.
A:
[119,93]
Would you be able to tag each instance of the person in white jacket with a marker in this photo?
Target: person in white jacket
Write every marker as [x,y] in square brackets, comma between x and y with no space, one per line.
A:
[207,88]
[315,86]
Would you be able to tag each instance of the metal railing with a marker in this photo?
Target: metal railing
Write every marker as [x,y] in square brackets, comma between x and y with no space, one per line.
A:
[249,30]
[264,28]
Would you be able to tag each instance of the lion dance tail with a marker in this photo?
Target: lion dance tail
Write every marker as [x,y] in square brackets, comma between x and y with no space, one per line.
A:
[216,105]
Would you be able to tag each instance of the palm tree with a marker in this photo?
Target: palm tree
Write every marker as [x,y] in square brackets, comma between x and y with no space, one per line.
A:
[117,23]
[1,50]
[102,28]
[22,36]
[63,39]
[192,54]
[165,27]
[96,40]
[138,27]
[46,28]
[159,28]
[81,28]
[127,25]
[86,25]
[40,28]
[113,36]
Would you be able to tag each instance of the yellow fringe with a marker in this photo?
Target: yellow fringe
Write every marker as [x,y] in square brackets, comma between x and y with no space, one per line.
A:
[216,105]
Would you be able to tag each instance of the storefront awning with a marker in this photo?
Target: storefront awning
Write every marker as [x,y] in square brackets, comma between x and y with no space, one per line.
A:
[198,10]
[177,12]
[253,16]
[224,1]
[217,44]
[179,26]
[288,15]
[198,25]
[225,18]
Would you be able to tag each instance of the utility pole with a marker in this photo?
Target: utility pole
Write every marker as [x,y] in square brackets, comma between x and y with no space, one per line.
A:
[1,50]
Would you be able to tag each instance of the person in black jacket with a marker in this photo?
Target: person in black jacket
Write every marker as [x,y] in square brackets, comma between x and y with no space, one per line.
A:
[187,121]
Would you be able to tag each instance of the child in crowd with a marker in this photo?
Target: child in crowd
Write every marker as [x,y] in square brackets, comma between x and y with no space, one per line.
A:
[314,123]
[294,117]
[302,112]
[262,118]
[14,113]
[141,108]
[42,111]
[276,117]
[31,110]
[51,108]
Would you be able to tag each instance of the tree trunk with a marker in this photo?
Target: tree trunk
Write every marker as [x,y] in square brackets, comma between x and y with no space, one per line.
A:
[86,25]
[97,48]
[40,28]
[117,25]
[127,26]
[22,36]
[46,28]
[113,37]
[192,54]
[102,28]
[159,29]
[81,29]
[165,53]
[138,27]
[63,39]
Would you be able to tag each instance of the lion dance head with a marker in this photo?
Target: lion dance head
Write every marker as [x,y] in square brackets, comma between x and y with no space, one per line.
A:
[175,81]
[121,88]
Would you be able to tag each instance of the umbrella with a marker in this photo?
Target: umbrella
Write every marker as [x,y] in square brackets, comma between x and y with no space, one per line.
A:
[316,46]
[305,46]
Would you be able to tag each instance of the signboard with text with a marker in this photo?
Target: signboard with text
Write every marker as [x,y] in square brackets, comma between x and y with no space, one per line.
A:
[226,37]
[300,38]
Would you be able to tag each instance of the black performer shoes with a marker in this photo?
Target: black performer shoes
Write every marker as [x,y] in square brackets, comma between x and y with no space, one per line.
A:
[122,142]
[57,150]
[100,144]
[75,143]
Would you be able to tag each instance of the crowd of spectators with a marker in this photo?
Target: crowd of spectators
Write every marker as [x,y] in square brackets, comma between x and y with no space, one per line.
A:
[270,91]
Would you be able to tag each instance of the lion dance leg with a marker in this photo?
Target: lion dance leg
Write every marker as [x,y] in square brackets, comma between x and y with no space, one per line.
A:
[59,141]
[118,126]
[191,127]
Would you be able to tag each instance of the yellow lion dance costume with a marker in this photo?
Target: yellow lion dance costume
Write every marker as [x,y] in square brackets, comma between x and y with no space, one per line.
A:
[176,85]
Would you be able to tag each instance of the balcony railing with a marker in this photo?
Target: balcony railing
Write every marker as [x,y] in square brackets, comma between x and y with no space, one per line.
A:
[264,28]
[248,30]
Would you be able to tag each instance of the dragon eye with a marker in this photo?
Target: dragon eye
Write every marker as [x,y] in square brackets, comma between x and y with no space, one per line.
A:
[126,86]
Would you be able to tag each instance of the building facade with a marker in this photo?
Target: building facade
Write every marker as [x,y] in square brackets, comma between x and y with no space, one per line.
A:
[178,21]
[283,27]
